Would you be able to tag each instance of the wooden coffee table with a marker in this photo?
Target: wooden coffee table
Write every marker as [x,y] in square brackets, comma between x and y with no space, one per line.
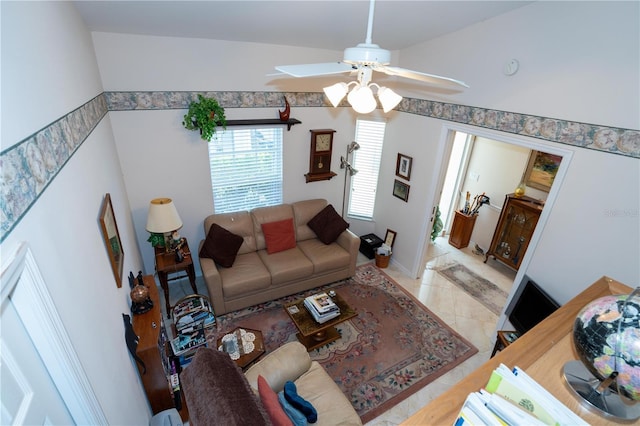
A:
[313,334]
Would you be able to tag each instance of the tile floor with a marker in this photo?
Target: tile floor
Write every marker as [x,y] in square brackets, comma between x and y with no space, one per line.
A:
[461,311]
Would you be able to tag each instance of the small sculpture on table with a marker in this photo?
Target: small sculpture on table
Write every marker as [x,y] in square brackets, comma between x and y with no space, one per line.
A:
[140,300]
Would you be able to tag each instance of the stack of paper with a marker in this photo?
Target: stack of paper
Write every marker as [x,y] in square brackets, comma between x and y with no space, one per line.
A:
[513,398]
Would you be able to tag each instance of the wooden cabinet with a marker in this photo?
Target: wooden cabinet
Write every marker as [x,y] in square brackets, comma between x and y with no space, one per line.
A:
[153,350]
[517,222]
[461,229]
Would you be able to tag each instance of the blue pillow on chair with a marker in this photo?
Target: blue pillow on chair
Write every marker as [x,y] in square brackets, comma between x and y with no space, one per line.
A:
[296,417]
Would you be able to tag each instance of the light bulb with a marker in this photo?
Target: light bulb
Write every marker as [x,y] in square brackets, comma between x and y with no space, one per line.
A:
[336,92]
[362,100]
[388,98]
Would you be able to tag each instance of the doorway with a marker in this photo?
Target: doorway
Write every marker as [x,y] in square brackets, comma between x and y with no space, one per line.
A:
[504,171]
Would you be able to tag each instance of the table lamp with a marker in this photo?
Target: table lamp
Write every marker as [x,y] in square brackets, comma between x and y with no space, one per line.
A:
[163,219]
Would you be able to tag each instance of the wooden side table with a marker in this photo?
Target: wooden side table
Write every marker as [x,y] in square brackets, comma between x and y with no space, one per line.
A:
[166,264]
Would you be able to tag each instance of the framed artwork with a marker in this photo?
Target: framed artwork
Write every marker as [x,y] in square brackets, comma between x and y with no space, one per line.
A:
[541,170]
[112,238]
[401,190]
[403,166]
[390,238]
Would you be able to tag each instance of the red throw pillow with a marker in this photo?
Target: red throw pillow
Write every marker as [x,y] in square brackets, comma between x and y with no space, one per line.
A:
[328,225]
[279,236]
[270,402]
[221,245]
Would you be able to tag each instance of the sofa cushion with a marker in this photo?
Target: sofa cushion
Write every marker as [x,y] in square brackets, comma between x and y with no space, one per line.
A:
[214,387]
[221,245]
[248,275]
[288,362]
[317,387]
[328,225]
[279,236]
[269,214]
[240,223]
[271,404]
[325,257]
[286,266]
[303,212]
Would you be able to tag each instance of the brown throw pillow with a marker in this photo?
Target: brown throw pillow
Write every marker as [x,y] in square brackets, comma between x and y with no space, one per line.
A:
[279,236]
[221,245]
[328,225]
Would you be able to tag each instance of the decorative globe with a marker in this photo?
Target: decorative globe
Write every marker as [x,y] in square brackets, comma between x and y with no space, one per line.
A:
[605,334]
[139,294]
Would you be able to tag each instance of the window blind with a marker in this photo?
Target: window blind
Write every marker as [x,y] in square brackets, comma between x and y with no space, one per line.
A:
[370,137]
[246,169]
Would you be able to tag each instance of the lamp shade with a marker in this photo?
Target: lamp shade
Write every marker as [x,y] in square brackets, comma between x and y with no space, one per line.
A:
[163,216]
[362,100]
[336,92]
[388,98]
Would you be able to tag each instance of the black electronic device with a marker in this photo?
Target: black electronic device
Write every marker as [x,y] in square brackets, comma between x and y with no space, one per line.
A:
[533,305]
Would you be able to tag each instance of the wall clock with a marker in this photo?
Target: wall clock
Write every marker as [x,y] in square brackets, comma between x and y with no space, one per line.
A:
[320,155]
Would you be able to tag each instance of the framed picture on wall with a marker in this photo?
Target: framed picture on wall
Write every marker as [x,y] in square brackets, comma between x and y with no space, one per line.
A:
[401,190]
[112,238]
[403,166]
[541,170]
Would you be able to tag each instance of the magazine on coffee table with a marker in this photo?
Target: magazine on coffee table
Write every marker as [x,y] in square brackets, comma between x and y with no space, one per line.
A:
[322,303]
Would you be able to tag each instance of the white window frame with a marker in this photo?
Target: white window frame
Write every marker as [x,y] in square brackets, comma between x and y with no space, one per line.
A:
[248,183]
[363,185]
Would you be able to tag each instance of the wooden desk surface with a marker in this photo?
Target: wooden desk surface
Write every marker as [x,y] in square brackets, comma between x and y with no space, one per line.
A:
[542,352]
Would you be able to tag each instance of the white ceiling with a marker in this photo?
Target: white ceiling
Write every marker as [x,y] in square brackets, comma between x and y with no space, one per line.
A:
[332,25]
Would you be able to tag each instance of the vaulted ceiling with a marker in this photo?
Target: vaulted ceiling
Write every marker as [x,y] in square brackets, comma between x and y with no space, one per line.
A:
[332,25]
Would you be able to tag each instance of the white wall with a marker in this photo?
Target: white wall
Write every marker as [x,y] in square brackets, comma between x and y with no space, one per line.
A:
[48,70]
[572,68]
[567,72]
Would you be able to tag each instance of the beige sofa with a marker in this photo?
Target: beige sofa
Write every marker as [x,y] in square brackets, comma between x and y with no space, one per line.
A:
[257,276]
[217,393]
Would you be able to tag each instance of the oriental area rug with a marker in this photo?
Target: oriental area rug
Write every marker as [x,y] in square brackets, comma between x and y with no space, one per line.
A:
[393,348]
[483,290]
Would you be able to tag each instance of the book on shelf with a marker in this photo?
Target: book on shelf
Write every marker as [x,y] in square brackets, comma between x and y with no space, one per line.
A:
[322,302]
[321,317]
[511,397]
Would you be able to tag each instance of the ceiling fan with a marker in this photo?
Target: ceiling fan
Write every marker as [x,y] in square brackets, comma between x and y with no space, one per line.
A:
[364,59]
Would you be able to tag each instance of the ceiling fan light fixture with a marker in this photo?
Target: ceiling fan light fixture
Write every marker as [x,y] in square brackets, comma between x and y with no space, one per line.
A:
[388,98]
[336,93]
[362,100]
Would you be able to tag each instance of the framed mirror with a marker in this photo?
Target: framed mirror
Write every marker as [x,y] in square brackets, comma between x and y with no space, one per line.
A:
[112,238]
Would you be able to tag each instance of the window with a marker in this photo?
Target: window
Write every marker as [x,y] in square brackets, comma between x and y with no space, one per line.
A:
[366,160]
[246,169]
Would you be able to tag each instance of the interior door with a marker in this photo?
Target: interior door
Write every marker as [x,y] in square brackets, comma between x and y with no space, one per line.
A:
[42,379]
[29,396]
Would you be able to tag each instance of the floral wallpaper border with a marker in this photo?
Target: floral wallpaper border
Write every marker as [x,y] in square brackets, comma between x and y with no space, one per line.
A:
[28,167]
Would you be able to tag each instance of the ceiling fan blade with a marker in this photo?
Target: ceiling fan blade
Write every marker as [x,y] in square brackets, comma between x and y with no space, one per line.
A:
[310,70]
[416,75]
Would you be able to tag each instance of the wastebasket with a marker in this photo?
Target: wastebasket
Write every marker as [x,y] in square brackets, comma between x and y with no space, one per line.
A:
[169,417]
[382,261]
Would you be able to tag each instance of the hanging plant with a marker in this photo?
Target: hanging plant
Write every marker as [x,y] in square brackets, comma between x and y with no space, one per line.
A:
[205,115]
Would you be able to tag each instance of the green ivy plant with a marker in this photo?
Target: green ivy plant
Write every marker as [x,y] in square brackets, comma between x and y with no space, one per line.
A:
[205,115]
[156,240]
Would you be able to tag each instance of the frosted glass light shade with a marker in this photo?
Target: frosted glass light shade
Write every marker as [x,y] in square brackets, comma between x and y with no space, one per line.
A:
[336,93]
[163,216]
[388,98]
[362,100]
